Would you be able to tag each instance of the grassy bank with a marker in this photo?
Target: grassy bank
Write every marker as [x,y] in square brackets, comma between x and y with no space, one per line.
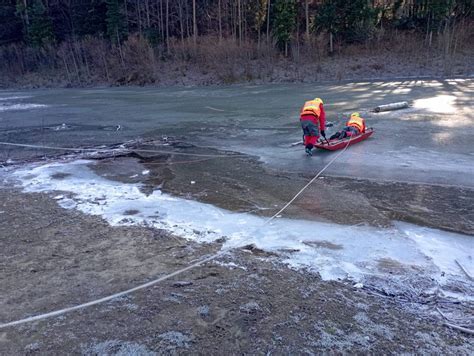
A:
[93,61]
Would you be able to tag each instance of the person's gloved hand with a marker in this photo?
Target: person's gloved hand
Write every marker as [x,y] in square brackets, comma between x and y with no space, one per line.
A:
[323,133]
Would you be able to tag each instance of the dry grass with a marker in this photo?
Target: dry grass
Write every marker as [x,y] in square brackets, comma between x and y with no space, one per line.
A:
[93,61]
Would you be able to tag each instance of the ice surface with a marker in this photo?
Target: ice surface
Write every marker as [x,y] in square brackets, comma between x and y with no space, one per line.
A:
[429,143]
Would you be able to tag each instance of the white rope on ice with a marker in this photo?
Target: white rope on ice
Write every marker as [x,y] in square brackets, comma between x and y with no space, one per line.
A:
[24,145]
[175,273]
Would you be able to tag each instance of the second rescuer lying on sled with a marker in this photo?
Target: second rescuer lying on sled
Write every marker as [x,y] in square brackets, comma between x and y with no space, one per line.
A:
[354,126]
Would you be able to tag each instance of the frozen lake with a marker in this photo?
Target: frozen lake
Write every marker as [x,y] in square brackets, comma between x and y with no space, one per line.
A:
[429,143]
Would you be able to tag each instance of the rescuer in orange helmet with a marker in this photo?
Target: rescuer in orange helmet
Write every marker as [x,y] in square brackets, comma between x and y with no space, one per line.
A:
[313,122]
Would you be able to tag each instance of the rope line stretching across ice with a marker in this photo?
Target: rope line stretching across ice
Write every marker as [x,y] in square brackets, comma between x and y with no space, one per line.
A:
[175,273]
[120,149]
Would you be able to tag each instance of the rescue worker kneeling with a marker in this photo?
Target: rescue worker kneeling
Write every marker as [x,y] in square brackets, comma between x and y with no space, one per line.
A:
[354,126]
[312,115]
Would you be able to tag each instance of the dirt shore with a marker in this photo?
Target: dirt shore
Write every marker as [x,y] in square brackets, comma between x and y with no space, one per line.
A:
[244,303]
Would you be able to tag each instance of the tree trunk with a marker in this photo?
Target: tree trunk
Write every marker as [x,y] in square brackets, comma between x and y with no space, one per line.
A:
[126,14]
[20,59]
[239,21]
[27,19]
[245,26]
[258,39]
[83,56]
[307,19]
[220,21]
[234,22]
[228,16]
[139,18]
[147,9]
[194,23]
[75,63]
[120,50]
[104,60]
[297,40]
[67,69]
[181,21]
[163,38]
[186,15]
[167,27]
[268,22]
[331,47]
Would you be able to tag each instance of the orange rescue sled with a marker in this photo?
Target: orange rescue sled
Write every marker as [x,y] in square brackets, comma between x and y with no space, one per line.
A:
[337,144]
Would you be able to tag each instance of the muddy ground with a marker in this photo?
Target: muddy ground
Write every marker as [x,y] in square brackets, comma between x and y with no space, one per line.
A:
[64,257]
[245,302]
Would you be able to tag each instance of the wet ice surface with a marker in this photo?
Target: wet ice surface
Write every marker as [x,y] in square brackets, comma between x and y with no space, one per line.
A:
[430,143]
[334,251]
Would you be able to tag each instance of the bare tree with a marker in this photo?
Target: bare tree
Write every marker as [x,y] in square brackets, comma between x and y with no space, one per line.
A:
[181,20]
[139,17]
[147,10]
[219,15]
[167,10]
[194,23]
[260,16]
[27,19]
[162,22]
[268,21]
[239,21]
[306,11]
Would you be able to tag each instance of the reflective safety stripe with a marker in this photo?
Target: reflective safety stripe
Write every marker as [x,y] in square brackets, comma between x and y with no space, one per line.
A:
[311,107]
[357,122]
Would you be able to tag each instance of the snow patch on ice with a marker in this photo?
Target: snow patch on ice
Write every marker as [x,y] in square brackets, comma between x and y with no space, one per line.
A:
[8,98]
[5,107]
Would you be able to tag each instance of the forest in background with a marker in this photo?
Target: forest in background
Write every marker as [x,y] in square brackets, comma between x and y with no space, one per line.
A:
[87,42]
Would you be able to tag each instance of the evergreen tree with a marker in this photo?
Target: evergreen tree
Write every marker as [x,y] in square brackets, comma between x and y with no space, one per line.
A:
[40,28]
[41,21]
[10,23]
[437,13]
[116,26]
[259,8]
[284,22]
[349,21]
[89,18]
